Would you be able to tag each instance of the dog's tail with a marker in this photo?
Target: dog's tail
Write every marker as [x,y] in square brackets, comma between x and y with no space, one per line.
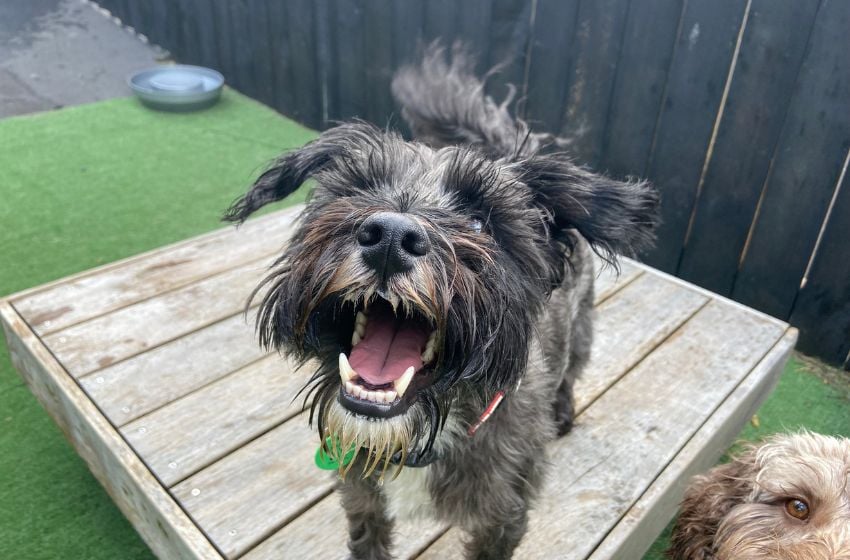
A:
[444,103]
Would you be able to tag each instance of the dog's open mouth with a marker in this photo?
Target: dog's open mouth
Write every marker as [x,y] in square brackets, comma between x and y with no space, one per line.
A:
[391,351]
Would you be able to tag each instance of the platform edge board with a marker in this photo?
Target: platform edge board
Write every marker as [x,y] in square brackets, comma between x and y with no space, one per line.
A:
[160,521]
[632,536]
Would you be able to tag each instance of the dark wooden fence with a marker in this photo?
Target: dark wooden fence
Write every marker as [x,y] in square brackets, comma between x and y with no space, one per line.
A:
[739,110]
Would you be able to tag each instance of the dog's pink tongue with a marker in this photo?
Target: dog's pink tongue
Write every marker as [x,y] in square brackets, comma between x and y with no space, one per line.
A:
[388,348]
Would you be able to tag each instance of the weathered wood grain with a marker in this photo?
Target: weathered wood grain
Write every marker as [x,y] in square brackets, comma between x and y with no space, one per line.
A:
[108,339]
[628,326]
[95,292]
[196,430]
[608,280]
[322,532]
[772,49]
[628,436]
[155,515]
[694,89]
[641,525]
[245,496]
[152,379]
[808,161]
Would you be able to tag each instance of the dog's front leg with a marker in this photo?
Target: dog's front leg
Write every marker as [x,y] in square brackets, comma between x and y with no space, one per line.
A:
[369,528]
[496,541]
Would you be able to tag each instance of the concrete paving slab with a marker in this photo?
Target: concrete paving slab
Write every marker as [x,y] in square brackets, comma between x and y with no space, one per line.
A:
[55,53]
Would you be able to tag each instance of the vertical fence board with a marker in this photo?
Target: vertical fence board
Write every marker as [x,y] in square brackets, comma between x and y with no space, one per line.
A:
[597,50]
[303,79]
[822,309]
[378,44]
[809,158]
[348,27]
[205,36]
[639,85]
[281,58]
[510,31]
[771,54]
[324,61]
[694,88]
[550,66]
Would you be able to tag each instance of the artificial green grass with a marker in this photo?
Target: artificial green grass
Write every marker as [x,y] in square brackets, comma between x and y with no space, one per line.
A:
[88,185]
[79,188]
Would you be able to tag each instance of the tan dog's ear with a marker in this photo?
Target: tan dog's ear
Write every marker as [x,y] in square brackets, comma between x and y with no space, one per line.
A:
[707,500]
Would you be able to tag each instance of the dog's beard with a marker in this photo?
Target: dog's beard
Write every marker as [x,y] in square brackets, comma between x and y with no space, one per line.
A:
[376,441]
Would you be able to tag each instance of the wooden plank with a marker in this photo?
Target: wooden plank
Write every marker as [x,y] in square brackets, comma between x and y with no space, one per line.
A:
[349,65]
[639,85]
[265,63]
[192,432]
[110,338]
[645,520]
[250,493]
[628,326]
[322,532]
[608,280]
[628,436]
[596,52]
[95,292]
[807,164]
[206,33]
[510,33]
[303,78]
[136,386]
[726,301]
[822,309]
[379,66]
[323,46]
[694,89]
[165,528]
[772,51]
[550,63]
[245,51]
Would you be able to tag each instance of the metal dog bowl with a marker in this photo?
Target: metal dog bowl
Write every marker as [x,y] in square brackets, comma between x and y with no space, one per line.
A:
[177,88]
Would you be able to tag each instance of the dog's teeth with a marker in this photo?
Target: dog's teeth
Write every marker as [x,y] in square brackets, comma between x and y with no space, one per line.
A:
[349,387]
[402,382]
[390,396]
[355,338]
[346,373]
[427,356]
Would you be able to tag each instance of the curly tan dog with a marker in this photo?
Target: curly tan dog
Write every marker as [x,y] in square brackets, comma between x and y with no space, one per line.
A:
[787,499]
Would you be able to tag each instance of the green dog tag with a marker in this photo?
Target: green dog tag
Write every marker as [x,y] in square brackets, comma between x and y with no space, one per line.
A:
[328,463]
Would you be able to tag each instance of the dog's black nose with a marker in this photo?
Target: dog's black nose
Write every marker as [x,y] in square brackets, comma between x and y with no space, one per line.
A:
[390,242]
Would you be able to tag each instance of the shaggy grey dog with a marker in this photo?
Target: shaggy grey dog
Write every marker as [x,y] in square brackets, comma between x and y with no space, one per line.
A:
[788,499]
[438,283]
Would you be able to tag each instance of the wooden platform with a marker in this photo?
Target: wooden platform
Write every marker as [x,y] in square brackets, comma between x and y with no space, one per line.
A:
[150,368]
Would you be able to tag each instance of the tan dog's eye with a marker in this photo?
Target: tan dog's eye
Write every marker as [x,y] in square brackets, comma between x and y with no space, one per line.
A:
[797,509]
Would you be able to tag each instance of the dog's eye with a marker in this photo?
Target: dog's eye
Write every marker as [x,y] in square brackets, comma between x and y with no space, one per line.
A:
[476,225]
[797,509]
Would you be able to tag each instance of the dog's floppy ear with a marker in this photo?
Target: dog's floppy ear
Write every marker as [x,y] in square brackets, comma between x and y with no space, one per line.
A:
[617,218]
[292,169]
[708,499]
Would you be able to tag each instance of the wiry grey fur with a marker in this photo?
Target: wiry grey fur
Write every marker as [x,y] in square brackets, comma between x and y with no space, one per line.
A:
[513,302]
